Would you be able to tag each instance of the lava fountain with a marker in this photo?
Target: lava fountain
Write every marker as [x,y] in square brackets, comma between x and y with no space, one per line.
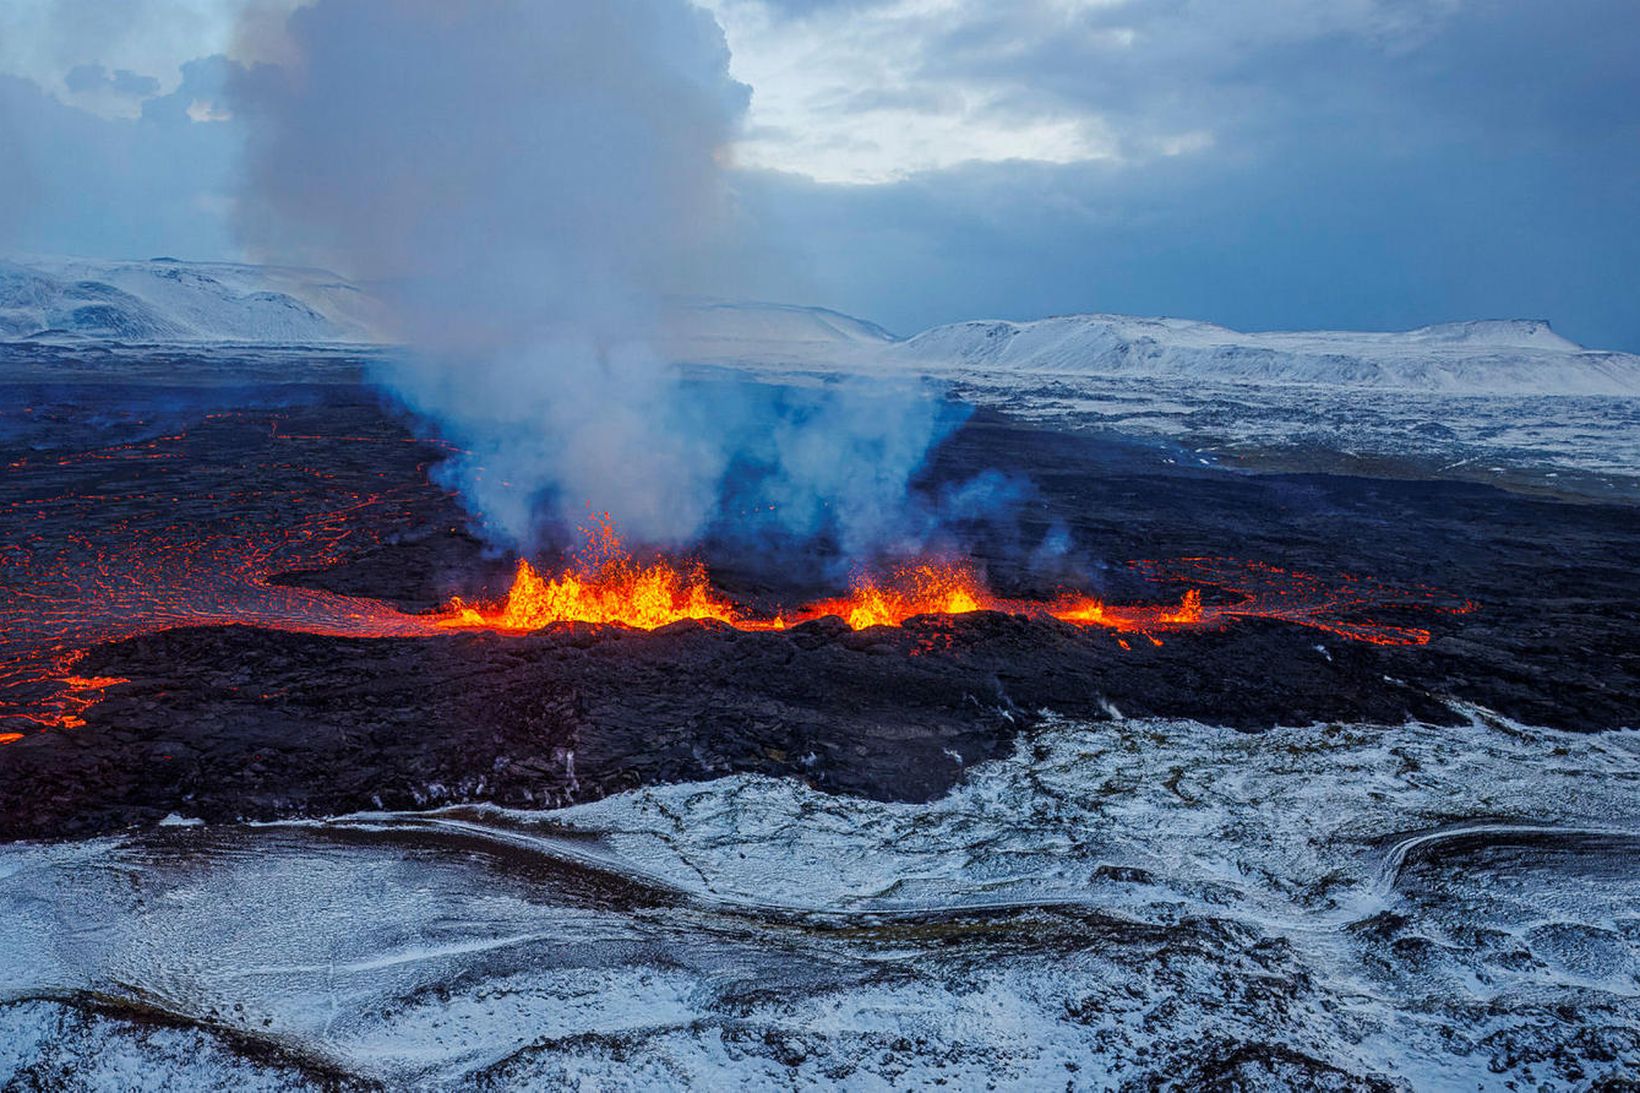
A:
[605,584]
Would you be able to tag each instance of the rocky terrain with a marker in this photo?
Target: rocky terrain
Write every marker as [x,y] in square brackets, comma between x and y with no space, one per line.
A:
[986,848]
[230,710]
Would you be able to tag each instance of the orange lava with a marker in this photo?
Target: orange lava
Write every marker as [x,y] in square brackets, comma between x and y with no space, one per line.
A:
[160,541]
[604,585]
[79,694]
[1143,618]
[928,588]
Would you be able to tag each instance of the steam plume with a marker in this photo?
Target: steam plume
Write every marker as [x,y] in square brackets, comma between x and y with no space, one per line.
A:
[525,180]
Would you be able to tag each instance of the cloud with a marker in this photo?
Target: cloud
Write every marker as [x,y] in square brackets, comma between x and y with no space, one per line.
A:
[1367,165]
[843,93]
[76,182]
[869,92]
[92,79]
[1265,163]
[107,56]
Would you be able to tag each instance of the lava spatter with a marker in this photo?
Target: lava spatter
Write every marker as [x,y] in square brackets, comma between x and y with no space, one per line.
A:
[605,584]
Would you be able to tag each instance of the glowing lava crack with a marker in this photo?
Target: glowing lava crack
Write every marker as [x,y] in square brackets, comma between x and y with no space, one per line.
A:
[137,566]
[605,584]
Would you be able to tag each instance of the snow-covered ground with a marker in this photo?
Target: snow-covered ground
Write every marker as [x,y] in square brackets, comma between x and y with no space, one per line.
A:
[162,300]
[1518,357]
[1503,357]
[1510,403]
[1431,907]
[770,334]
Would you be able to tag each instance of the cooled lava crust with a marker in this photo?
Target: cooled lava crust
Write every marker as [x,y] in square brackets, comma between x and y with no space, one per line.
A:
[229,722]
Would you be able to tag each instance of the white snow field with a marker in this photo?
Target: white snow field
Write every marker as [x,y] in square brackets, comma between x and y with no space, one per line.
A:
[1113,904]
[166,301]
[1503,357]
[1520,357]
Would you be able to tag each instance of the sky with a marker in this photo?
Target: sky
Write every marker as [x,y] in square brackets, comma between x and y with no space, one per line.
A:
[1266,164]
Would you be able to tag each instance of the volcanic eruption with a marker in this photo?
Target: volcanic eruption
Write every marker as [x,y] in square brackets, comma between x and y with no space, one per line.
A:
[605,584]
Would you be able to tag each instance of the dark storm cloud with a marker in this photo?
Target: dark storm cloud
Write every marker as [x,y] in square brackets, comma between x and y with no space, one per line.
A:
[1413,163]
[1356,163]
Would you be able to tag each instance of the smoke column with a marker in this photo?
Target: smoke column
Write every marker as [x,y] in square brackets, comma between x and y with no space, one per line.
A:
[525,181]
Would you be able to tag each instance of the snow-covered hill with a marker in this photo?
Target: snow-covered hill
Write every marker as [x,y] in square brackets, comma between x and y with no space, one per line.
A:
[164,300]
[717,331]
[1495,357]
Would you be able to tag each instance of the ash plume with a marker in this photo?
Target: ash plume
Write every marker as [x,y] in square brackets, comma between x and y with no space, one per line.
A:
[525,181]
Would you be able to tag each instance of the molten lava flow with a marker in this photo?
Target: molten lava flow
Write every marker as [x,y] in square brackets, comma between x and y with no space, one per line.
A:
[80,693]
[930,588]
[112,542]
[604,585]
[1089,611]
[129,539]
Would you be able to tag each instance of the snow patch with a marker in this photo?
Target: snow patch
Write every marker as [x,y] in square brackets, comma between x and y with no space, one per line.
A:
[176,820]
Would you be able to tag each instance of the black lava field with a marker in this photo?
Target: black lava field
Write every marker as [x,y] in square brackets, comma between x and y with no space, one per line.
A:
[214,577]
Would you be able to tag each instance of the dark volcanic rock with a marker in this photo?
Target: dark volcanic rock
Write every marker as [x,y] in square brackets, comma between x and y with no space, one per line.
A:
[229,722]
[1555,641]
[417,572]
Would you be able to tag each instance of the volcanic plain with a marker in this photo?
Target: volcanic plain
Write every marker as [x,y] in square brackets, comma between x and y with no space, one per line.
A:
[215,581]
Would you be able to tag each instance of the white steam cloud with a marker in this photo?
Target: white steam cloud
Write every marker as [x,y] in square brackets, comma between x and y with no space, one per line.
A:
[526,180]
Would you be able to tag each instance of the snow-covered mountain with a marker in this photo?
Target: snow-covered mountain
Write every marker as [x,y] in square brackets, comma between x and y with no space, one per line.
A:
[1489,357]
[164,300]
